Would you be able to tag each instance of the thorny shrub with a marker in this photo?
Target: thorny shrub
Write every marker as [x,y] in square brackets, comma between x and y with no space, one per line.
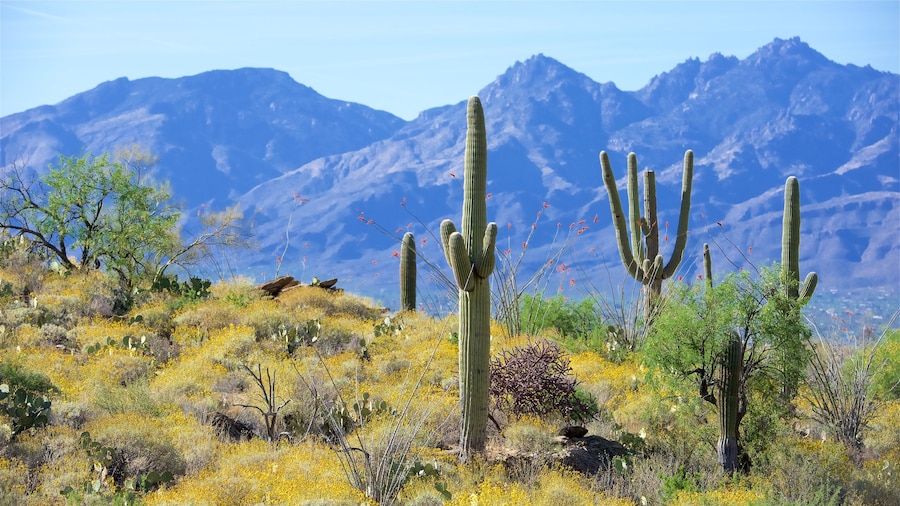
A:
[537,380]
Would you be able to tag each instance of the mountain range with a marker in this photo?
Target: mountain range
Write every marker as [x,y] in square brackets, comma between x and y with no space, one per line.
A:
[329,186]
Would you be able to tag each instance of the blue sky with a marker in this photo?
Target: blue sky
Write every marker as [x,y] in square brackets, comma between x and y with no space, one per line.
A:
[407,56]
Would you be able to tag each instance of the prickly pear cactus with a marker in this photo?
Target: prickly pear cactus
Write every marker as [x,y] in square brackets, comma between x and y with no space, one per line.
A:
[408,272]
[470,254]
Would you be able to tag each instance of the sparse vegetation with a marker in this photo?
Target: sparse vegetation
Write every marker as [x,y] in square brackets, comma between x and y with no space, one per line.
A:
[172,398]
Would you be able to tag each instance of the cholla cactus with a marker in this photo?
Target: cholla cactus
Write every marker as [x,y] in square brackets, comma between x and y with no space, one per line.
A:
[471,257]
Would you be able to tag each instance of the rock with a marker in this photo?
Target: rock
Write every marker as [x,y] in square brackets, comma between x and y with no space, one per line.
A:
[277,285]
[589,454]
[572,431]
[230,429]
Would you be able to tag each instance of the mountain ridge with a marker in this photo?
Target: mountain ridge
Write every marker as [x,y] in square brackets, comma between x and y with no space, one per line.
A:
[784,110]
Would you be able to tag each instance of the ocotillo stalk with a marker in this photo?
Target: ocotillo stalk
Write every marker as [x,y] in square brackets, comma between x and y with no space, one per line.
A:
[641,258]
[790,245]
[471,257]
[408,272]
[728,403]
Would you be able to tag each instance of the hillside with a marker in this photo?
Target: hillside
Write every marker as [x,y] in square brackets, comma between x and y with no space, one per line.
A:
[228,396]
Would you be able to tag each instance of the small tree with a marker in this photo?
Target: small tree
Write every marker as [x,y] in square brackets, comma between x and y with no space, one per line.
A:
[725,339]
[102,212]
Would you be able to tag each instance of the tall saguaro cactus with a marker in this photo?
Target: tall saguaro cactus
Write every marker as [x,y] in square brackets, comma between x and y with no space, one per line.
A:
[408,272]
[790,272]
[790,245]
[641,258]
[470,254]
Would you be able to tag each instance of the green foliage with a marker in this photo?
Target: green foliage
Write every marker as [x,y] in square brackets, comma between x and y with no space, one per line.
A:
[389,326]
[681,480]
[104,460]
[187,292]
[101,209]
[15,376]
[24,409]
[22,396]
[886,378]
[572,320]
[742,317]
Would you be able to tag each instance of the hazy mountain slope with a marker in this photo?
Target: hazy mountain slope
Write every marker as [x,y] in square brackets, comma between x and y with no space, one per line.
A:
[217,134]
[312,172]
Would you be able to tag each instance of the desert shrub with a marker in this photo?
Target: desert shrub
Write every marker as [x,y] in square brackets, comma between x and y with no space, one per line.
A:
[156,317]
[137,448]
[123,368]
[24,265]
[803,471]
[239,291]
[81,294]
[886,377]
[330,303]
[13,482]
[571,320]
[132,398]
[536,380]
[255,472]
[208,316]
[16,375]
[529,444]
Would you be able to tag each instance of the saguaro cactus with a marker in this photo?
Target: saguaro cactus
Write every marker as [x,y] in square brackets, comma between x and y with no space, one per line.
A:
[641,258]
[707,265]
[471,257]
[790,245]
[408,272]
[790,272]
[728,405]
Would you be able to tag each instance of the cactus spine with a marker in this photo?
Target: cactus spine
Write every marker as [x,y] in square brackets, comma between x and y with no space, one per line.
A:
[790,245]
[641,258]
[728,403]
[408,272]
[471,257]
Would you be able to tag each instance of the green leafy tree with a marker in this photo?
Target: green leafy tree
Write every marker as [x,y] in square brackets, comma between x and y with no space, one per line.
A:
[743,333]
[104,212]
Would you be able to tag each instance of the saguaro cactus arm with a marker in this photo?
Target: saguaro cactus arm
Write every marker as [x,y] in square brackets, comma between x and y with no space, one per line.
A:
[683,215]
[640,252]
[615,207]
